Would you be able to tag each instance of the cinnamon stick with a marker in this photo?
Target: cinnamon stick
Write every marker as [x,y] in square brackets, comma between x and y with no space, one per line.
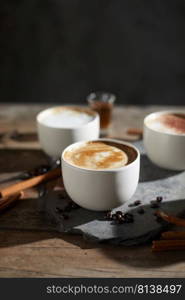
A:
[29,183]
[167,245]
[170,219]
[135,131]
[6,202]
[173,235]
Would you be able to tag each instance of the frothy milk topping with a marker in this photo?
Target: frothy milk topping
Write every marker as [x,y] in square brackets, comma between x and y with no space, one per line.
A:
[66,117]
[168,123]
[96,155]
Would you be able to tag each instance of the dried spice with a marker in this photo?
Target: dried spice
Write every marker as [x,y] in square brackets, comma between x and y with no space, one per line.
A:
[159,199]
[135,203]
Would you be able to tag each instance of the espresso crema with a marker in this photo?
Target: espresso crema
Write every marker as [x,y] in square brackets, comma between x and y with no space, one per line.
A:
[98,155]
[173,123]
[66,117]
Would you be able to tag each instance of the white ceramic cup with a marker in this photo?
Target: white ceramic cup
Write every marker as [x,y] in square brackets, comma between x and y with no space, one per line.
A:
[100,189]
[54,140]
[166,150]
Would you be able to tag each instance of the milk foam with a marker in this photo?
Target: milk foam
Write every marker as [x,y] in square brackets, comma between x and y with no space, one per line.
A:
[158,126]
[67,118]
[172,124]
[97,155]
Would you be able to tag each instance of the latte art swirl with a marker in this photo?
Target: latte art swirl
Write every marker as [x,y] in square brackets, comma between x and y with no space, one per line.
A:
[97,155]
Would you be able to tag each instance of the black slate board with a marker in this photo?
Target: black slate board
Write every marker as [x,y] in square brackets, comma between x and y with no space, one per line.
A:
[154,181]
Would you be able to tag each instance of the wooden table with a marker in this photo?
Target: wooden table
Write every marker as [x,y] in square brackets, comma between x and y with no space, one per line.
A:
[29,247]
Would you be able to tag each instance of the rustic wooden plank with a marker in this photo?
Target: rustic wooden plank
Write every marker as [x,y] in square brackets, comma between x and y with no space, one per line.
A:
[40,254]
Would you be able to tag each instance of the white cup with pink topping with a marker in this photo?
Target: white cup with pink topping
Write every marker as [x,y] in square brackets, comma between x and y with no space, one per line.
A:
[164,138]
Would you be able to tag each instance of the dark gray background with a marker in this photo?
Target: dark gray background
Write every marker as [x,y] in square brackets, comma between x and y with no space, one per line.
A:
[60,50]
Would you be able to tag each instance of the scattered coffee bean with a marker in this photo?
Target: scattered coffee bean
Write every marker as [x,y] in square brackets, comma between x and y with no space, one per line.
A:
[159,199]
[141,210]
[120,217]
[121,221]
[114,217]
[108,216]
[119,213]
[137,202]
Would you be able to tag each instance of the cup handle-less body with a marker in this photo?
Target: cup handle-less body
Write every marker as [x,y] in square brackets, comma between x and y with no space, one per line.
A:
[164,149]
[54,140]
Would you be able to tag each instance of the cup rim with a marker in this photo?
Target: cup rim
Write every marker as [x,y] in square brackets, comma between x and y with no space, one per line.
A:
[163,112]
[45,111]
[101,170]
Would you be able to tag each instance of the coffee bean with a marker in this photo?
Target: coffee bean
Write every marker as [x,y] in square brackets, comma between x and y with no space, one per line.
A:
[121,221]
[120,217]
[114,217]
[137,202]
[159,199]
[118,212]
[108,215]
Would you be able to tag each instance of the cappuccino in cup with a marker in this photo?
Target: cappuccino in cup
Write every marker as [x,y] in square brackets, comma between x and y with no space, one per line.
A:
[172,123]
[58,127]
[98,155]
[100,174]
[67,117]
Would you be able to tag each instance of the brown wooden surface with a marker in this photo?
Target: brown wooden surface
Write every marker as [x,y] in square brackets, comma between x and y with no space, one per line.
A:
[29,247]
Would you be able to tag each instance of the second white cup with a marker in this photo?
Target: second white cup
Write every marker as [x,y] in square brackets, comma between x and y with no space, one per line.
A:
[55,139]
